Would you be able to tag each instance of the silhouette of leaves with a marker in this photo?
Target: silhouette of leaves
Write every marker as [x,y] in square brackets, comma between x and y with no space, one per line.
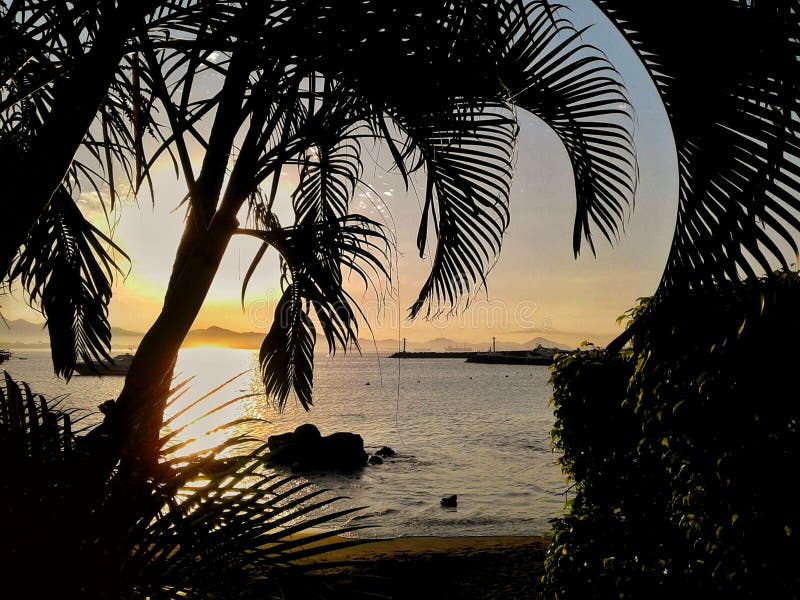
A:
[573,88]
[315,255]
[467,154]
[67,269]
[287,354]
[730,88]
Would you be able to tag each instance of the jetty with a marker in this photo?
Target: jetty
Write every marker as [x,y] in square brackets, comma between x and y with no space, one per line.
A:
[429,354]
[521,357]
[538,356]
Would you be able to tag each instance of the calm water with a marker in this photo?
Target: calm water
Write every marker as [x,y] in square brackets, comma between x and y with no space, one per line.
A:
[479,431]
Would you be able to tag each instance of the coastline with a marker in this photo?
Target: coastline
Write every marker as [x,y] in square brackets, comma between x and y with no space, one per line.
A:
[419,567]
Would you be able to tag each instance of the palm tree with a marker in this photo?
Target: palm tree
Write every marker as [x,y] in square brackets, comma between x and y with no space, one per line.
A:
[307,85]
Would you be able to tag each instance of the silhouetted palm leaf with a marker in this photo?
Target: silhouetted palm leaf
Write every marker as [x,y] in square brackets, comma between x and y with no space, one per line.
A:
[287,354]
[30,429]
[315,254]
[730,87]
[67,269]
[328,177]
[577,92]
[206,527]
[468,158]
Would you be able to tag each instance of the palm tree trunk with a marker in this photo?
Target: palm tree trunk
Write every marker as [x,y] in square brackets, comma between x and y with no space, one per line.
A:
[141,404]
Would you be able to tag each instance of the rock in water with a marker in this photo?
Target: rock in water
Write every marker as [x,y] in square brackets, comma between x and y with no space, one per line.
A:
[375,460]
[307,434]
[342,451]
[305,449]
[385,452]
[450,500]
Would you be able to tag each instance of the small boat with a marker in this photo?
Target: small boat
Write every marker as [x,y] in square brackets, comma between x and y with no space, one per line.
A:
[120,366]
[4,355]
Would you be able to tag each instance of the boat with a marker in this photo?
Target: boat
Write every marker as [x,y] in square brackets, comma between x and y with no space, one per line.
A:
[538,356]
[120,365]
[4,355]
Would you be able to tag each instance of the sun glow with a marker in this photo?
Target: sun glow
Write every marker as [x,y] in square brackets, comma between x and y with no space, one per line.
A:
[150,234]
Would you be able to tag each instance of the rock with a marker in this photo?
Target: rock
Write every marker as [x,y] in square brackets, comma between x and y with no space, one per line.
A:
[450,500]
[343,451]
[298,467]
[305,449]
[375,460]
[307,434]
[385,451]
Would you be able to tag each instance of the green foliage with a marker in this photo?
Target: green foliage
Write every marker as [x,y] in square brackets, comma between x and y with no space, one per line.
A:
[205,527]
[614,516]
[681,448]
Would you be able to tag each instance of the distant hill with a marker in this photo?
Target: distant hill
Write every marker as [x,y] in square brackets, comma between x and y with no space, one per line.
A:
[21,327]
[120,332]
[22,333]
[546,343]
[442,344]
[219,336]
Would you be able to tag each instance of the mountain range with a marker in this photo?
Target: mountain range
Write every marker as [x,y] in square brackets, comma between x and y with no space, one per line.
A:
[20,333]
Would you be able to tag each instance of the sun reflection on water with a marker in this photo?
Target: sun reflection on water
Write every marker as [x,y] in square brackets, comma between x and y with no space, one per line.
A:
[218,400]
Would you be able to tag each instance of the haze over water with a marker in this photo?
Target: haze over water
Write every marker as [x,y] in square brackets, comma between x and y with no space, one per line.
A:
[479,431]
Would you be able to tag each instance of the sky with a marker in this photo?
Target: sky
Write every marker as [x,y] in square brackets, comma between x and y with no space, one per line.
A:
[536,288]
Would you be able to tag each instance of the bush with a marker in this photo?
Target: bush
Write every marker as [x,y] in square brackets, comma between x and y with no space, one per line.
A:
[681,449]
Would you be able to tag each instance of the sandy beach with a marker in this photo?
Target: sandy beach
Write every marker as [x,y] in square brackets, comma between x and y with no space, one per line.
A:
[503,567]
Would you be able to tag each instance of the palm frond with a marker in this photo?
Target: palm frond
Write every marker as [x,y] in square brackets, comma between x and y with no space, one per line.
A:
[31,430]
[249,529]
[730,89]
[468,157]
[67,268]
[573,88]
[328,177]
[315,254]
[287,354]
[238,516]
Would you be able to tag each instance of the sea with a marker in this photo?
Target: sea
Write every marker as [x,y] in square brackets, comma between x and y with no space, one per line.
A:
[481,432]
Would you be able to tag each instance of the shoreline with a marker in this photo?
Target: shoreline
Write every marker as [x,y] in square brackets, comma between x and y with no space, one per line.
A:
[420,567]
[409,546]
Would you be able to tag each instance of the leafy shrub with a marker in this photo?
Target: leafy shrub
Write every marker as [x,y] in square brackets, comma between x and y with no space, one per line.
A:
[611,541]
[682,449]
